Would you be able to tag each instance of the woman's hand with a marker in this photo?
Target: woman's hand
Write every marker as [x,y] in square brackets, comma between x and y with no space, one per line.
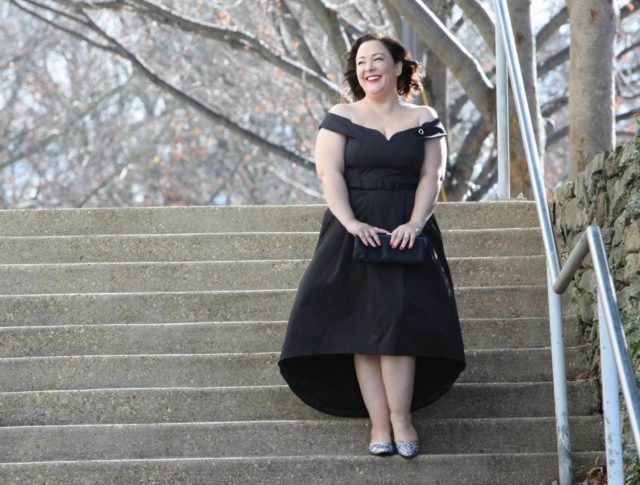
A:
[405,234]
[366,232]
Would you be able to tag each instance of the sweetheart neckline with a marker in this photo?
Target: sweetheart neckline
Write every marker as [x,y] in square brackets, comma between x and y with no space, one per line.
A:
[382,134]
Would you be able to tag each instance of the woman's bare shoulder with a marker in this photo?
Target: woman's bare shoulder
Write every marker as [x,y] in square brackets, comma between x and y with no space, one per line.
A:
[425,113]
[341,109]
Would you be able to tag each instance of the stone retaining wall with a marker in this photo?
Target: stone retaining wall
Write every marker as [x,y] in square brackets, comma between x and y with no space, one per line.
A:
[606,193]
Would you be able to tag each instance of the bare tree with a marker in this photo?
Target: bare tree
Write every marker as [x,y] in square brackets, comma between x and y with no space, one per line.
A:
[145,102]
[591,81]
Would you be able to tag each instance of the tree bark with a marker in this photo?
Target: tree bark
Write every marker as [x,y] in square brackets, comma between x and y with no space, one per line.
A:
[436,80]
[463,65]
[520,12]
[329,19]
[591,81]
[296,32]
[436,71]
[466,159]
[482,18]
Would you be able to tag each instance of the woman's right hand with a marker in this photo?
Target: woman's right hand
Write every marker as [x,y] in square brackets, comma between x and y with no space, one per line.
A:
[367,233]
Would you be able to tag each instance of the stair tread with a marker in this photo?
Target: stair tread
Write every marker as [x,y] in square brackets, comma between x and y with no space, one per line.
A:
[232,403]
[467,469]
[282,437]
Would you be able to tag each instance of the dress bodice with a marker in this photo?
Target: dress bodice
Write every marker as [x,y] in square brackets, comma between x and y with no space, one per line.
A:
[369,152]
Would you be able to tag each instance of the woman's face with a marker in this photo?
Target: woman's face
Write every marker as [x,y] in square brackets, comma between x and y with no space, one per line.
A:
[376,71]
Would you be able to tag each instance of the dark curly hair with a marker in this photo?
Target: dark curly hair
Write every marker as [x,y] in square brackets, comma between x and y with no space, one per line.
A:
[408,79]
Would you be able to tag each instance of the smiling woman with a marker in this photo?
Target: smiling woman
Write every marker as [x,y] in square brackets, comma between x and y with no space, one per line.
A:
[375,59]
[376,339]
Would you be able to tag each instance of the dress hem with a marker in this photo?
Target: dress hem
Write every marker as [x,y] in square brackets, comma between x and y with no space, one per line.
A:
[419,401]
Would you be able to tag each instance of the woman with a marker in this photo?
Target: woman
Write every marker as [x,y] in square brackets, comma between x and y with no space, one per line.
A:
[377,340]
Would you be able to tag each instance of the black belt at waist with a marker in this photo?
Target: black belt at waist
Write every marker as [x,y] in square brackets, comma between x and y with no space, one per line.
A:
[381,184]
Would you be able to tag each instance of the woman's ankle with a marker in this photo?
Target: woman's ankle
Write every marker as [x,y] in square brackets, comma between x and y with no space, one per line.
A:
[403,428]
[381,433]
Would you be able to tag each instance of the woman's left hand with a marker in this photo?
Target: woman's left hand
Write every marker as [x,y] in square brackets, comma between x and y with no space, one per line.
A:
[405,234]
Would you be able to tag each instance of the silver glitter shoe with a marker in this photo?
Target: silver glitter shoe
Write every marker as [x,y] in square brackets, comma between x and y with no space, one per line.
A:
[407,449]
[381,449]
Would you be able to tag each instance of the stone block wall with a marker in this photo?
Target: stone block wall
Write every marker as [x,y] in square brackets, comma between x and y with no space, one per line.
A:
[606,193]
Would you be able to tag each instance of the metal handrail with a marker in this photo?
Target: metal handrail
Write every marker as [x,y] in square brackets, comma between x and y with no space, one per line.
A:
[557,281]
[590,242]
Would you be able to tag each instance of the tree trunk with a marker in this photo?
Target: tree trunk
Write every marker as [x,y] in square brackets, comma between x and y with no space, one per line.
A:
[591,81]
[436,82]
[520,12]
[435,70]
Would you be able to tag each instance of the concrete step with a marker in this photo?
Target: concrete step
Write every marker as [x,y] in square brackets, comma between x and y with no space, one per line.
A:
[197,370]
[466,469]
[174,220]
[237,246]
[231,275]
[205,306]
[216,337]
[345,436]
[181,405]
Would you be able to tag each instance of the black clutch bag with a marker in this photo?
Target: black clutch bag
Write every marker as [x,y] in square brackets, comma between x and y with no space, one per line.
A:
[384,254]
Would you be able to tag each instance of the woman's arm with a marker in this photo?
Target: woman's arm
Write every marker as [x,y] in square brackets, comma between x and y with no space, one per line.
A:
[431,177]
[329,157]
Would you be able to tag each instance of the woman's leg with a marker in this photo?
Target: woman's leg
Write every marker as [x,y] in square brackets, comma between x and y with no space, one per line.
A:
[398,373]
[369,374]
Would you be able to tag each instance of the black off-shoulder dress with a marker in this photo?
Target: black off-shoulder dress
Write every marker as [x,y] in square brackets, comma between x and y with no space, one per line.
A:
[345,306]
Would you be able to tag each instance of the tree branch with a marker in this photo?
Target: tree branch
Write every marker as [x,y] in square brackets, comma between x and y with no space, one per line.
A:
[460,61]
[456,107]
[330,21]
[61,27]
[629,8]
[118,49]
[295,184]
[295,31]
[240,39]
[394,17]
[482,19]
[560,133]
[55,134]
[114,4]
[487,183]
[551,27]
[100,186]
[560,19]
[200,106]
[550,107]
[466,158]
[553,61]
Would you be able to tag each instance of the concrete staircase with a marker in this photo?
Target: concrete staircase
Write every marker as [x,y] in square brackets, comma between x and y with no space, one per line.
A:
[141,346]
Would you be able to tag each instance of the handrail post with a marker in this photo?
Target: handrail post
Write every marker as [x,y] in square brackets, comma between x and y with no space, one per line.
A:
[563,435]
[528,137]
[502,116]
[617,340]
[610,402]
